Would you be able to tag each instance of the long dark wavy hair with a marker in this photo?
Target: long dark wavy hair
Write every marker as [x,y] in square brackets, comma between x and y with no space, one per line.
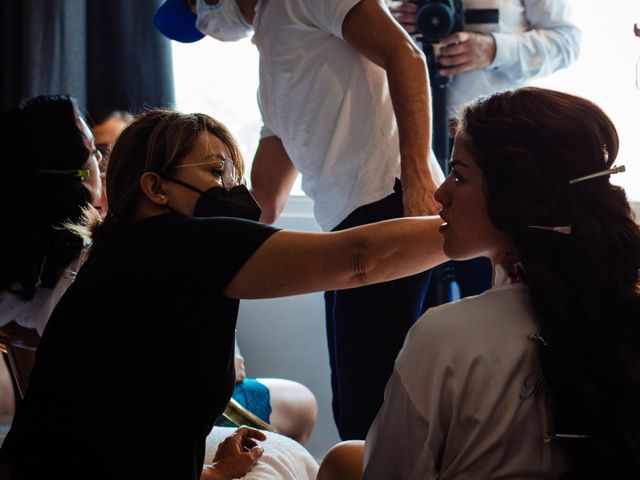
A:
[529,144]
[41,133]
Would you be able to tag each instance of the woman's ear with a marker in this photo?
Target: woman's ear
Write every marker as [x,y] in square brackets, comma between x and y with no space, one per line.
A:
[152,187]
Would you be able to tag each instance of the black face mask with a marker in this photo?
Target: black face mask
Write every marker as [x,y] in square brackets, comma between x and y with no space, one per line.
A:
[219,202]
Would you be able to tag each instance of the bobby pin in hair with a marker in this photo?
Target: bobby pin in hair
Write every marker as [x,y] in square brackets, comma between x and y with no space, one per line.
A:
[564,229]
[563,436]
[609,171]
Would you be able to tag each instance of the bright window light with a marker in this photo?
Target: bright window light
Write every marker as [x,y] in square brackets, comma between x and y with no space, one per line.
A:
[221,79]
[605,73]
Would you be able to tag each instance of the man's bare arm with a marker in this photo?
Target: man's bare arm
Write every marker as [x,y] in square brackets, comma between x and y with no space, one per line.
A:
[272,175]
[371,30]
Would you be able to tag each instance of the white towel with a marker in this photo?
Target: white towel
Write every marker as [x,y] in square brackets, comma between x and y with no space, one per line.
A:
[283,458]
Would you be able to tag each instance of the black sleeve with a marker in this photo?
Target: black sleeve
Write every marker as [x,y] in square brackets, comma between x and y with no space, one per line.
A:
[216,248]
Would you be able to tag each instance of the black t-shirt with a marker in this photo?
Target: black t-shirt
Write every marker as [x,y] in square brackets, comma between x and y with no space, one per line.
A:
[136,361]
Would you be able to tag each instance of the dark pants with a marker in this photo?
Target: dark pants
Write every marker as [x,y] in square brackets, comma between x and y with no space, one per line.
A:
[366,328]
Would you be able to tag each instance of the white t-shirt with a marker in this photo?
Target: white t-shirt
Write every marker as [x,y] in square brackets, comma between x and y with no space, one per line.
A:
[328,104]
[534,38]
[466,398]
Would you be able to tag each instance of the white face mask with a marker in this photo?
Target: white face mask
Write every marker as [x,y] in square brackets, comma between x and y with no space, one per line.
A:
[223,21]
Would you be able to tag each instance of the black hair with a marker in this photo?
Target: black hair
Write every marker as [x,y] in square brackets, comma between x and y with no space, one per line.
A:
[39,135]
[530,143]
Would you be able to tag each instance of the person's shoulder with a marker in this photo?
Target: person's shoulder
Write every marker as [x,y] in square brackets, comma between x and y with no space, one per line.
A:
[181,224]
[479,311]
[468,324]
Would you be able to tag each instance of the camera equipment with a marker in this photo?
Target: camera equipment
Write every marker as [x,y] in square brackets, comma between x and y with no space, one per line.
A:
[436,20]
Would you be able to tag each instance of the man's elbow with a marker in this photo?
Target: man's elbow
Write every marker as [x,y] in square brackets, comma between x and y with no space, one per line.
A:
[270,207]
[271,210]
[268,216]
[413,52]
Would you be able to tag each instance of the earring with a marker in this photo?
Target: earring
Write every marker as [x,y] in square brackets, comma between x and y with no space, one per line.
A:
[163,197]
[513,265]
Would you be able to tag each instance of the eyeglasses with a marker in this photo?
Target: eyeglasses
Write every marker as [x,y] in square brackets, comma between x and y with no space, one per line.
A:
[103,148]
[81,173]
[228,174]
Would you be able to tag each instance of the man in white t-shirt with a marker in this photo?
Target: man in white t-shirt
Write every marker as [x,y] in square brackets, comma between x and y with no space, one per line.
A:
[345,101]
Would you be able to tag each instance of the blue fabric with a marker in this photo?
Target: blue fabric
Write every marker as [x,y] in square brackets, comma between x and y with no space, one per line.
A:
[366,327]
[254,396]
[175,20]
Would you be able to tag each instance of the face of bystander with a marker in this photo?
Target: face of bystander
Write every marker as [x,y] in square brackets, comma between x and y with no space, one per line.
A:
[105,135]
[93,181]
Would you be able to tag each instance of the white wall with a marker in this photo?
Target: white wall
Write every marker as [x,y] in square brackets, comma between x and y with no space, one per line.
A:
[286,338]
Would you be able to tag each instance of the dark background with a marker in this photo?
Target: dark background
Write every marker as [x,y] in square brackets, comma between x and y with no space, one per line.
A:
[106,53]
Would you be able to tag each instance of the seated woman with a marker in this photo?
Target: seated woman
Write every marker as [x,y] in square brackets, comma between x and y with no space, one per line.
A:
[64,129]
[289,406]
[539,377]
[144,338]
[48,174]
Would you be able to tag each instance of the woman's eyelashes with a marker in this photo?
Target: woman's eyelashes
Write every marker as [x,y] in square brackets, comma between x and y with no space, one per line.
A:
[217,173]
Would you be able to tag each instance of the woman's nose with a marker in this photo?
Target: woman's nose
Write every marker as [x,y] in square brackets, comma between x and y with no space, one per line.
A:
[441,193]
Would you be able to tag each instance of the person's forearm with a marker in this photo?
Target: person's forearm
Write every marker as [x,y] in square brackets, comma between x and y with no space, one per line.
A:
[371,30]
[292,263]
[398,248]
[409,89]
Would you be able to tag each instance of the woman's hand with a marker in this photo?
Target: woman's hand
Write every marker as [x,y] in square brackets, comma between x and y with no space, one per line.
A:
[236,455]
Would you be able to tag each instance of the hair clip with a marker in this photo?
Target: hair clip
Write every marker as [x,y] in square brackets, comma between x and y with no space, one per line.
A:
[548,437]
[563,229]
[609,171]
[537,338]
[80,173]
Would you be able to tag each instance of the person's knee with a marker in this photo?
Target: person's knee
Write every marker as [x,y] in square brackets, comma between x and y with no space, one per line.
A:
[307,413]
[294,408]
[344,462]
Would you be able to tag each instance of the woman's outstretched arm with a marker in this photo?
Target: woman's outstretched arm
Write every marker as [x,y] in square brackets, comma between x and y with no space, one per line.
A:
[291,263]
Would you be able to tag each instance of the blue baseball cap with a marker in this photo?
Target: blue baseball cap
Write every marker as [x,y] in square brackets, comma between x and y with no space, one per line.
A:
[175,20]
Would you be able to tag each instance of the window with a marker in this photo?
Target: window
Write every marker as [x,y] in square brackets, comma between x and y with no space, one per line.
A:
[605,73]
[221,79]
